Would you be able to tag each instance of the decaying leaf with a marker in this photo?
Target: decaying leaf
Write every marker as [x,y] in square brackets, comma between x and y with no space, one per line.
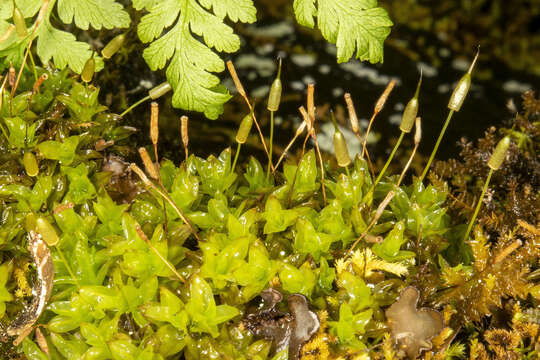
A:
[41,255]
[412,328]
[287,330]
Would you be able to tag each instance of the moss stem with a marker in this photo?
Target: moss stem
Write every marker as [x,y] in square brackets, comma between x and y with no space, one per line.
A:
[270,145]
[478,205]
[389,160]
[236,157]
[135,105]
[450,113]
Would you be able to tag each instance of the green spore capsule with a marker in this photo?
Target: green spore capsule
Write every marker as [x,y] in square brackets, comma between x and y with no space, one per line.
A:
[159,90]
[20,24]
[340,146]
[244,129]
[497,158]
[411,110]
[462,88]
[47,232]
[113,46]
[88,70]
[30,164]
[275,92]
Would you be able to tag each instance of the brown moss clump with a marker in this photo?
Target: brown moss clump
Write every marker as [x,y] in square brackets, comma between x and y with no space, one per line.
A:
[512,194]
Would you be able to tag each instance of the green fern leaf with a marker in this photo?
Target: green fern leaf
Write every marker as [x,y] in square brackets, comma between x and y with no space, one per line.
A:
[192,62]
[63,48]
[353,25]
[28,8]
[60,46]
[98,13]
[305,11]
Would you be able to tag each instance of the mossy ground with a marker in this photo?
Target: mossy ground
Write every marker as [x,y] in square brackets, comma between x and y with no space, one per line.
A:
[133,280]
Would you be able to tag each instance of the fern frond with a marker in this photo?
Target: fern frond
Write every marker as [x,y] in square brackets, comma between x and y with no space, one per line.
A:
[193,62]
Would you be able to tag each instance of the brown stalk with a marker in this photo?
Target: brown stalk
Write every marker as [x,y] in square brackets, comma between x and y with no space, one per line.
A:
[42,342]
[185,134]
[378,108]
[143,236]
[313,135]
[353,118]
[311,103]
[39,82]
[154,128]
[378,214]
[12,75]
[242,92]
[165,196]
[149,166]
[154,136]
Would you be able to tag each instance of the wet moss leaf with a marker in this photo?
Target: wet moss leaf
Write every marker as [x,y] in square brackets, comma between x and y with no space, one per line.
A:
[81,188]
[61,151]
[32,350]
[389,249]
[184,190]
[255,175]
[308,241]
[421,207]
[82,102]
[350,325]
[277,218]
[257,272]
[203,312]
[303,178]
[222,259]
[34,198]
[109,213]
[355,290]
[301,280]
[21,133]
[169,309]
[215,173]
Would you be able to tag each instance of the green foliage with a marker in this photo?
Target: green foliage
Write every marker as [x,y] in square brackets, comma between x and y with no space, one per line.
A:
[5,295]
[350,325]
[133,280]
[354,26]
[196,88]
[184,36]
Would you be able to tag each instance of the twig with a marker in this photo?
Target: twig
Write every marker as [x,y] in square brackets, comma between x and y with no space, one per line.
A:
[165,196]
[143,236]
[378,214]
